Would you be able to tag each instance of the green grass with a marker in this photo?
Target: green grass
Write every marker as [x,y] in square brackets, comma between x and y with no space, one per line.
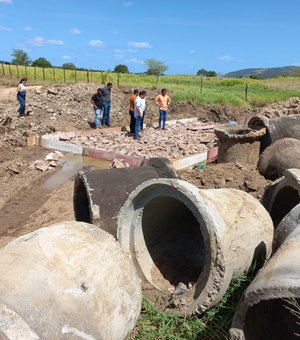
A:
[214,324]
[225,91]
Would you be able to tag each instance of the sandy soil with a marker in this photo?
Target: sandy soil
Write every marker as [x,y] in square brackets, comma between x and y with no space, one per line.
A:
[25,205]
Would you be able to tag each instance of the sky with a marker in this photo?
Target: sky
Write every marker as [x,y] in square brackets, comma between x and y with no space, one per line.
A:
[216,35]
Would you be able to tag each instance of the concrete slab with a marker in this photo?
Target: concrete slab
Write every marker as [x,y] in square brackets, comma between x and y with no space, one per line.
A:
[186,162]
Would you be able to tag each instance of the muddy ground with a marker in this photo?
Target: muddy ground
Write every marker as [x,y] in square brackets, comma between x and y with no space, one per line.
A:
[26,205]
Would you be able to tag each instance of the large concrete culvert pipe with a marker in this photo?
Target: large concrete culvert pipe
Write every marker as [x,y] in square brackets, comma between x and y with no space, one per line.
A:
[100,194]
[67,281]
[277,128]
[238,143]
[270,306]
[187,244]
[282,195]
[279,156]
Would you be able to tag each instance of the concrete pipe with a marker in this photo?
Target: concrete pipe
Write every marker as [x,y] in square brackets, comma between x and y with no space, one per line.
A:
[281,196]
[238,143]
[276,128]
[281,155]
[100,194]
[187,244]
[67,281]
[270,306]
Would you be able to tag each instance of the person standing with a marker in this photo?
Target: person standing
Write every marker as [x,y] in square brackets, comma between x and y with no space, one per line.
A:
[21,97]
[131,109]
[139,108]
[106,97]
[97,104]
[163,101]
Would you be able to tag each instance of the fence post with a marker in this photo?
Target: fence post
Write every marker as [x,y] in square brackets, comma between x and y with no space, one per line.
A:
[118,78]
[9,70]
[34,72]
[246,92]
[18,71]
[3,69]
[201,84]
[64,75]
[25,72]
[87,76]
[53,71]
[75,76]
[43,73]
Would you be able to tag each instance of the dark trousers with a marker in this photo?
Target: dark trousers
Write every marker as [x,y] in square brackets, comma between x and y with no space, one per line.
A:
[132,121]
[142,120]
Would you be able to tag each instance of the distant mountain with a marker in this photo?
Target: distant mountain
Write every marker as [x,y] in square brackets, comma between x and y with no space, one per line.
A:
[262,73]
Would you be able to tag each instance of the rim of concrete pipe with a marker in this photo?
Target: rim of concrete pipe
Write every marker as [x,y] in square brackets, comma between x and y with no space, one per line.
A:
[282,195]
[165,222]
[263,311]
[238,132]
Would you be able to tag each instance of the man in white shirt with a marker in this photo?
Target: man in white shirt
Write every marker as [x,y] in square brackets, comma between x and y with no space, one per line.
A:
[139,108]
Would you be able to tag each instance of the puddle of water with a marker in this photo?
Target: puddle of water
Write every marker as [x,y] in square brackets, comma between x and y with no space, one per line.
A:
[71,165]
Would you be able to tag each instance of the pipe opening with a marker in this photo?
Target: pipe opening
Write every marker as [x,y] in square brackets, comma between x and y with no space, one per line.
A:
[81,202]
[286,199]
[174,243]
[274,319]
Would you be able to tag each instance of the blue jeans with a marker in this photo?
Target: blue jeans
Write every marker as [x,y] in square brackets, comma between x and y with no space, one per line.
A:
[97,117]
[106,113]
[21,99]
[162,119]
[137,127]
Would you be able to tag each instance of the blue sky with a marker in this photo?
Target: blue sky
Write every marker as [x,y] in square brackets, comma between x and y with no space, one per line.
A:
[216,35]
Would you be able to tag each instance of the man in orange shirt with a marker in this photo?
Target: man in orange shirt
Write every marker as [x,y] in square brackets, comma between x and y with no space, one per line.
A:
[163,101]
[131,109]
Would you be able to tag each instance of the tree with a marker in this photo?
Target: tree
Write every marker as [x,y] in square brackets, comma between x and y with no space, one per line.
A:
[121,69]
[20,58]
[202,72]
[211,74]
[155,67]
[41,62]
[69,66]
[205,73]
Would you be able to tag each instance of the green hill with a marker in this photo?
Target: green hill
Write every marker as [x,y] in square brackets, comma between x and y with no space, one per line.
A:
[263,73]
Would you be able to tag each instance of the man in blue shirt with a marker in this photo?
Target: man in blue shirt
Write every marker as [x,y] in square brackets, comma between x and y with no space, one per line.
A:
[106,97]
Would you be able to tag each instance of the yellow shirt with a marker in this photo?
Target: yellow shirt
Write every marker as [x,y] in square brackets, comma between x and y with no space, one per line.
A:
[163,101]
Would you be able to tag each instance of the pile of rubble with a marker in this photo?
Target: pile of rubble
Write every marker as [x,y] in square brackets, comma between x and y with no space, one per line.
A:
[179,140]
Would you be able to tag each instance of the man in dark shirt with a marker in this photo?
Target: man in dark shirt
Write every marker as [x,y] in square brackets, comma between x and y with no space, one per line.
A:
[106,96]
[97,103]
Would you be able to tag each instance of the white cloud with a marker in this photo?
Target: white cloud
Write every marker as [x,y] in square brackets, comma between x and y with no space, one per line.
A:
[226,58]
[96,43]
[115,32]
[54,42]
[5,29]
[39,41]
[139,44]
[134,61]
[192,51]
[118,51]
[119,56]
[127,4]
[75,31]
[28,28]
[67,57]
[6,1]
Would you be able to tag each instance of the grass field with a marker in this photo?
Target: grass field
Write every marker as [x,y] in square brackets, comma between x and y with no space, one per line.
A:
[243,92]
